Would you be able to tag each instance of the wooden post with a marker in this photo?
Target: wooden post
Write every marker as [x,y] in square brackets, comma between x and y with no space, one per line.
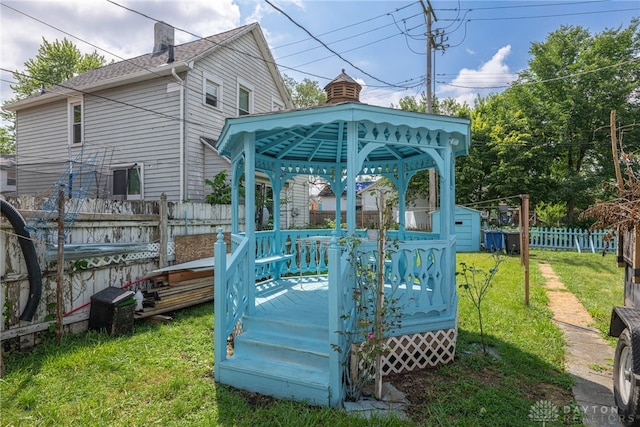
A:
[163,231]
[614,151]
[380,317]
[60,275]
[524,244]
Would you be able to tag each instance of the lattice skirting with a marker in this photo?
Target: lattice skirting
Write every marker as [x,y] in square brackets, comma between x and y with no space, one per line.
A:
[408,353]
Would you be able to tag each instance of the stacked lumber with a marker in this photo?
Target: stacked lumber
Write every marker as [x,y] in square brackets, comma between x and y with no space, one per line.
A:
[175,290]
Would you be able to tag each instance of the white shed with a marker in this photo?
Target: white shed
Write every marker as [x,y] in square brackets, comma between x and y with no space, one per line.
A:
[467,228]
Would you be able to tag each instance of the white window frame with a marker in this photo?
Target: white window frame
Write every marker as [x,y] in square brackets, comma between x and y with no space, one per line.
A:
[244,85]
[126,167]
[71,104]
[217,81]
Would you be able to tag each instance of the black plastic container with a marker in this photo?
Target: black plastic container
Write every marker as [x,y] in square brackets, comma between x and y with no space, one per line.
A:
[112,309]
[512,241]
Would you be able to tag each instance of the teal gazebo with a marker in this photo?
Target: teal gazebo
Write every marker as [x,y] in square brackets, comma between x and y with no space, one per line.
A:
[284,298]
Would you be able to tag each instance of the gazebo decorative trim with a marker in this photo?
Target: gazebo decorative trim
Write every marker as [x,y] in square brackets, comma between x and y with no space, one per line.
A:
[337,142]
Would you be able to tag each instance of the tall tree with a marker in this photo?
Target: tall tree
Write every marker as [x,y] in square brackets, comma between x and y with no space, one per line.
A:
[54,63]
[419,185]
[548,134]
[573,82]
[306,93]
[7,144]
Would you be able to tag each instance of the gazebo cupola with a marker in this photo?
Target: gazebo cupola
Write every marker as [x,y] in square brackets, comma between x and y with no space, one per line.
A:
[343,89]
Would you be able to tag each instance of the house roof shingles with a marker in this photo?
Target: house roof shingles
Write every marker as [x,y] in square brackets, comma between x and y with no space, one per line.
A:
[183,54]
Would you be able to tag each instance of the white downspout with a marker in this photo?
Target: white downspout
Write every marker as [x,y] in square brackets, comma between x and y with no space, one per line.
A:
[181,82]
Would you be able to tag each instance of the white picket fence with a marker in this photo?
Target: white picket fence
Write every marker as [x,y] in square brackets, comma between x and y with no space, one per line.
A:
[571,239]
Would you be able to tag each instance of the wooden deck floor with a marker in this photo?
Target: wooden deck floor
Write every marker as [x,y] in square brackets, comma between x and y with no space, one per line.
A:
[300,299]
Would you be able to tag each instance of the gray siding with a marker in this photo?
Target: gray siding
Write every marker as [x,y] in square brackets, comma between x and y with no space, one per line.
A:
[240,59]
[41,151]
[295,213]
[133,123]
[138,124]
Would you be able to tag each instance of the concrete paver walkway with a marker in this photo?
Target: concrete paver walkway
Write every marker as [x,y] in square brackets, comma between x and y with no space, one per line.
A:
[589,357]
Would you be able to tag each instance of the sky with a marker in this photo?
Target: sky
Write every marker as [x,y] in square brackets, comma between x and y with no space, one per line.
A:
[482,45]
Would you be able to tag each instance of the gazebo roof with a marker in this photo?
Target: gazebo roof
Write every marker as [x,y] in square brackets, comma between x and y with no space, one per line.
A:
[314,140]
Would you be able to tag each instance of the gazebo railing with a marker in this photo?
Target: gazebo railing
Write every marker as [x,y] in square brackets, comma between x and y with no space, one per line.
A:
[233,286]
[310,248]
[342,317]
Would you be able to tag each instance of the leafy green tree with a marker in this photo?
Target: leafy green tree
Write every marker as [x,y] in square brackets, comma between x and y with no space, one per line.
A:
[220,189]
[573,82]
[419,184]
[548,134]
[7,144]
[306,93]
[551,213]
[54,63]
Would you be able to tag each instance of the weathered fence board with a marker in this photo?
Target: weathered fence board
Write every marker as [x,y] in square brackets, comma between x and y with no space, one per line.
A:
[98,222]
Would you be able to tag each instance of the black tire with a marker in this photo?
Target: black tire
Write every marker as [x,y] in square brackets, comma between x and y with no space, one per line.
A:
[626,390]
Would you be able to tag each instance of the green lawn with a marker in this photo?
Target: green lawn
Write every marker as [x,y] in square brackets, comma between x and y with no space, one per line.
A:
[595,279]
[162,374]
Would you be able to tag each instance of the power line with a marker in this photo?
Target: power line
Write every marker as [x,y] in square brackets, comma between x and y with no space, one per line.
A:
[246,53]
[507,18]
[349,26]
[327,47]
[520,6]
[350,37]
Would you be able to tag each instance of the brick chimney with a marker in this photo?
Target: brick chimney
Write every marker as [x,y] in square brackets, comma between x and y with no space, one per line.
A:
[343,89]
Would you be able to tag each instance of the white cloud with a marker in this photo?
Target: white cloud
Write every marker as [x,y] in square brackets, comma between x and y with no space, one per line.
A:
[110,30]
[492,76]
[382,97]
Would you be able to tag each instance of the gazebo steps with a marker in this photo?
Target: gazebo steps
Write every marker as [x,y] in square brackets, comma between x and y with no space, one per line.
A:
[302,325]
[292,349]
[279,379]
[281,359]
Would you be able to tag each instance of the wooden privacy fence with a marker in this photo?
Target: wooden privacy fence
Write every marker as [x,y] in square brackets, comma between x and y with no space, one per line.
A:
[571,239]
[364,219]
[110,243]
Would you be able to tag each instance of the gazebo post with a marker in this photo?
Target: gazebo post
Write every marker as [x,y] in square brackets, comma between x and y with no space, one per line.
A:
[401,184]
[249,210]
[276,186]
[447,195]
[352,173]
[337,188]
[236,175]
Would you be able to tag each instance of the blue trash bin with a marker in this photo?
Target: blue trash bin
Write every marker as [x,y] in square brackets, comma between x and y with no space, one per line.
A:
[493,240]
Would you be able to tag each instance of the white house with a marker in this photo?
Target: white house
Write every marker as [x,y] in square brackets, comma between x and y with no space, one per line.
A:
[148,125]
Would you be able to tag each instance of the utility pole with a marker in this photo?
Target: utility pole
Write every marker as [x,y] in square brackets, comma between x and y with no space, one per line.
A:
[428,13]
[431,45]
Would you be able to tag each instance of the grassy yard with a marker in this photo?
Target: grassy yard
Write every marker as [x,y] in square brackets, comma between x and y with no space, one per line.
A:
[595,279]
[162,374]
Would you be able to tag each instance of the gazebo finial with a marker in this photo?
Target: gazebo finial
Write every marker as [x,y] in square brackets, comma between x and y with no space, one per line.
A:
[343,89]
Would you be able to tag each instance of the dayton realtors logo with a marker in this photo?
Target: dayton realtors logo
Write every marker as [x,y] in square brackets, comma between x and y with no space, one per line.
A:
[545,412]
